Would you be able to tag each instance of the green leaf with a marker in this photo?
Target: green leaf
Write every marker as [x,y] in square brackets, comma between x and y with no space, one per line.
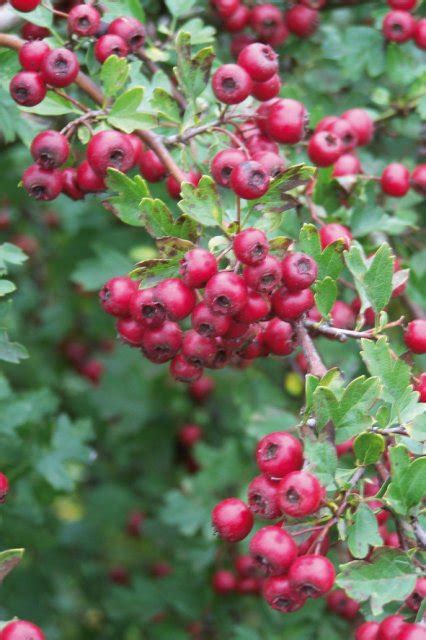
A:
[166,106]
[187,514]
[322,457]
[309,241]
[378,279]
[363,532]
[159,221]
[11,351]
[12,254]
[408,481]
[92,273]
[53,105]
[277,198]
[369,447]
[202,202]
[325,295]
[41,15]
[193,73]
[130,193]
[124,8]
[179,8]
[114,74]
[9,560]
[6,286]
[124,112]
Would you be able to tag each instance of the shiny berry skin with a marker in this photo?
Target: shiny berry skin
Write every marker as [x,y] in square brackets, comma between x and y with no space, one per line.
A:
[238,20]
[367,631]
[299,271]
[260,142]
[259,60]
[343,129]
[4,487]
[312,575]
[402,5]
[266,20]
[83,20]
[110,149]
[151,167]
[361,123]
[278,337]
[89,181]
[249,180]
[418,179]
[398,26]
[184,371]
[231,84]
[110,45]
[31,54]
[116,295]
[201,389]
[286,121]
[325,148]
[332,232]
[280,596]
[232,519]
[273,550]
[290,305]
[42,184]
[416,598]
[22,630]
[178,299]
[224,163]
[130,30]
[415,336]
[162,343]
[267,90]
[264,277]
[226,8]
[190,434]
[301,21]
[273,164]
[225,293]
[279,453]
[395,180]
[174,187]
[130,331]
[27,88]
[342,315]
[60,67]
[207,323]
[390,627]
[25,5]
[197,267]
[263,498]
[346,165]
[197,349]
[224,582]
[256,308]
[299,494]
[50,149]
[412,632]
[339,602]
[251,246]
[420,33]
[69,184]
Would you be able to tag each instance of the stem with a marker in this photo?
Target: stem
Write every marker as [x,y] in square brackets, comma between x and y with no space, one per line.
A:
[316,365]
[419,532]
[73,101]
[343,334]
[156,144]
[69,128]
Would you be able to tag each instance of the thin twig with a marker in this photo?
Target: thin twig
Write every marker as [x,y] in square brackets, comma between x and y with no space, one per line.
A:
[316,365]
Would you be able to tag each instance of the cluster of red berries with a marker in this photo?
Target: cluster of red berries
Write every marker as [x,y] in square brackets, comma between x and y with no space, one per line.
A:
[292,572]
[78,355]
[399,25]
[391,628]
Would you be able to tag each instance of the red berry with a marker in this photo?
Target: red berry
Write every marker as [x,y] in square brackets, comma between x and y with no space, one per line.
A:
[301,20]
[70,185]
[416,598]
[325,148]
[130,331]
[31,31]
[418,179]
[256,308]
[22,630]
[119,575]
[415,336]
[110,149]
[31,54]
[4,487]
[420,387]
[299,494]
[197,267]
[110,45]
[130,30]
[92,370]
[273,550]
[390,628]
[89,181]
[238,20]
[402,5]
[249,180]
[183,371]
[278,35]
[273,164]
[83,20]
[60,67]
[50,148]
[299,271]
[346,165]
[412,632]
[395,180]
[225,293]
[25,5]
[259,60]
[264,277]
[42,184]
[286,121]
[251,246]
[263,498]
[398,26]
[208,324]
[361,123]
[332,232]
[116,294]
[174,187]
[312,575]
[266,20]
[367,631]
[340,603]
[278,337]
[224,581]
[249,586]
[190,434]
[161,344]
[266,90]
[280,596]
[231,84]
[420,33]
[151,167]
[342,315]
[232,519]
[278,454]
[201,389]
[27,88]
[197,349]
[257,143]
[226,8]
[224,163]
[290,305]
[178,299]
[245,566]
[342,128]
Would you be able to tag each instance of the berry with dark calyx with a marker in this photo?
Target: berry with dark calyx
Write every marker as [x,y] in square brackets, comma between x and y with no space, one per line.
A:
[301,21]
[390,627]
[259,60]
[116,295]
[22,630]
[402,5]
[290,305]
[325,148]
[231,84]
[332,232]
[267,90]
[395,180]
[273,164]
[70,185]
[264,277]
[201,389]
[224,163]
[299,271]
[42,184]
[339,602]
[238,20]
[278,337]
[4,487]
[31,54]
[367,631]
[190,434]
[419,36]
[224,582]
[174,187]
[273,550]
[183,371]
[256,308]
[83,20]
[415,336]
[89,181]
[50,149]
[343,129]
[299,494]
[232,520]
[418,179]
[278,454]
[28,88]
[110,45]
[25,5]
[280,596]
[207,323]
[130,331]
[346,165]
[146,309]
[263,498]
[162,343]
[178,299]
[197,349]
[286,121]
[312,576]
[110,149]
[361,123]
[60,67]
[130,30]
[416,598]
[342,315]
[249,180]
[265,20]
[225,293]
[251,246]
[197,267]
[32,31]
[226,8]
[261,142]
[398,26]
[412,632]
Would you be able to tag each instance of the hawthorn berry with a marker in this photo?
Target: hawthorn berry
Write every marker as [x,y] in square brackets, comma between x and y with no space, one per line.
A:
[302,21]
[390,627]
[225,293]
[260,142]
[415,336]
[60,67]
[250,246]
[324,148]
[232,519]
[130,331]
[197,349]
[4,487]
[174,187]
[412,632]
[130,30]
[178,299]
[256,308]
[395,180]
[299,494]
[286,121]
[28,88]
[110,45]
[89,181]
[42,184]
[184,371]
[224,581]
[238,20]
[299,271]
[290,305]
[339,602]
[418,179]
[119,575]
[231,84]
[263,498]
[361,124]
[280,596]
[226,8]
[134,523]
[151,167]
[239,41]
[207,323]
[50,149]
[70,185]
[342,315]
[25,5]
[110,149]
[190,434]
[342,128]
[273,164]
[32,31]
[398,26]
[146,309]
[31,54]
[312,575]
[201,389]
[267,90]
[346,165]
[402,5]
[83,20]
[197,267]
[367,631]
[259,60]
[420,33]
[161,344]
[279,453]
[249,180]
[264,277]
[224,163]
[278,337]
[22,630]
[116,295]
[265,20]
[273,550]
[332,232]
[416,598]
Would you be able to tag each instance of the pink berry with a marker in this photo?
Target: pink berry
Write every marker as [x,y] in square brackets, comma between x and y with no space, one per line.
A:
[50,149]
[31,55]
[130,30]
[367,631]
[278,337]
[415,336]
[339,602]
[178,299]
[110,45]
[60,67]
[184,371]
[197,267]
[302,21]
[418,179]
[290,305]
[232,519]
[146,309]
[278,454]
[259,60]
[273,550]
[231,84]
[110,149]
[263,498]
[299,494]
[162,343]
[130,331]
[312,576]
[4,487]
[332,232]
[361,123]
[22,630]
[264,277]
[28,88]
[398,26]
[268,89]
[224,163]
[116,294]
[207,323]
[151,167]
[286,121]
[395,180]
[280,596]
[84,20]
[249,180]
[325,148]
[225,293]
[299,271]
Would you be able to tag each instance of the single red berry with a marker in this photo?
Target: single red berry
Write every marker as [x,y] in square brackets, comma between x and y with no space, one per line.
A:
[89,181]
[256,308]
[278,35]
[207,323]
[190,434]
[197,349]
[273,164]
[83,20]
[161,344]
[339,602]
[4,487]
[22,630]
[420,33]
[225,293]
[259,60]
[178,299]
[249,586]
[116,294]
[278,337]
[42,184]
[325,148]
[70,185]
[231,84]
[390,628]
[245,566]
[367,631]
[402,5]
[342,315]
[266,20]
[92,370]
[75,351]
[395,180]
[183,371]
[346,165]
[130,30]
[110,45]
[232,519]
[151,167]
[201,389]
[416,598]
[130,331]
[302,21]
[299,494]
[263,498]
[224,163]
[197,267]
[27,88]
[32,31]
[420,387]
[110,149]
[50,148]
[415,336]
[280,596]
[224,581]
[31,54]
[264,277]
[361,123]
[290,305]
[279,453]
[332,232]
[412,632]
[398,26]
[60,67]
[312,575]
[286,121]
[299,271]
[418,179]
[251,246]
[267,90]
[273,550]
[174,187]
[138,147]
[249,180]
[238,20]
[226,8]
[391,539]
[119,576]
[260,142]
[25,5]
[342,128]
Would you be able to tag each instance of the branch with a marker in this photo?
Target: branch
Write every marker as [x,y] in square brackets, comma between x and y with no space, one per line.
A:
[343,334]
[419,532]
[316,365]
